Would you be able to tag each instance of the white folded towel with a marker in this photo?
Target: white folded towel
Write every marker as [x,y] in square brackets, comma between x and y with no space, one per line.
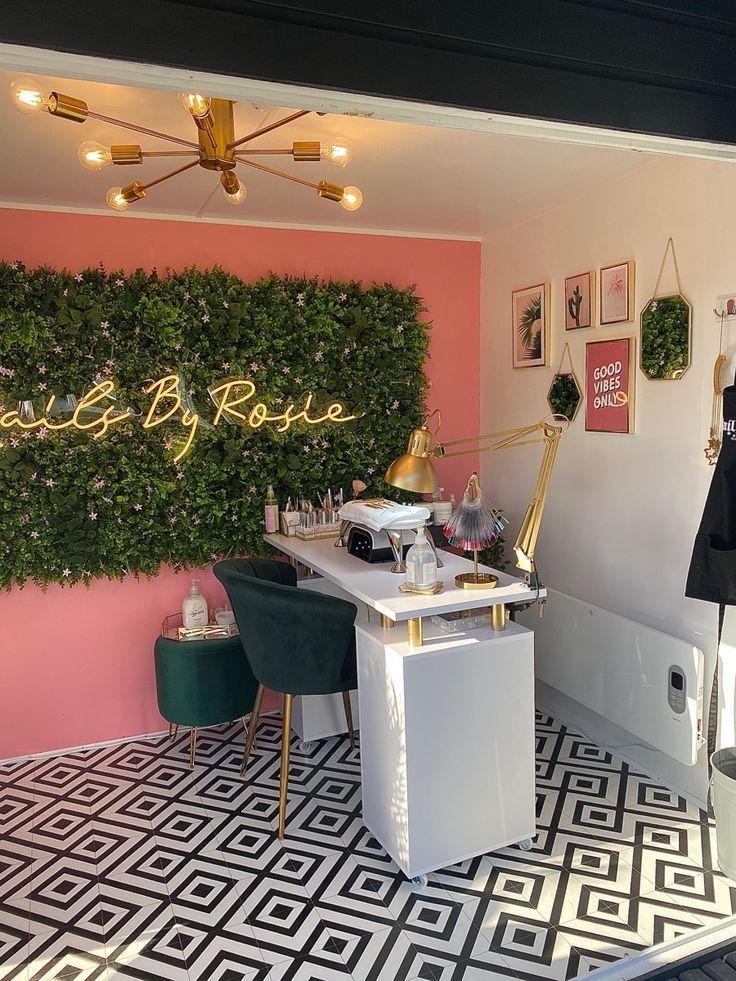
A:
[379,513]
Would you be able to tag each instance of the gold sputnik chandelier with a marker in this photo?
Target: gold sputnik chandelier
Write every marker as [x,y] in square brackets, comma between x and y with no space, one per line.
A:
[216,148]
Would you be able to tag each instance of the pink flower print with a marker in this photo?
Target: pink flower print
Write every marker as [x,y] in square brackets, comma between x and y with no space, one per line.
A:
[120,282]
[254,366]
[93,516]
[34,534]
[42,369]
[78,278]
[226,366]
[58,349]
[225,304]
[205,318]
[342,297]
[42,433]
[395,404]
[286,369]
[137,507]
[25,518]
[50,482]
[300,299]
[319,356]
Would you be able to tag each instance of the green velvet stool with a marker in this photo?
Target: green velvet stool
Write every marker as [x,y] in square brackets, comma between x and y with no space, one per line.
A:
[202,683]
[298,643]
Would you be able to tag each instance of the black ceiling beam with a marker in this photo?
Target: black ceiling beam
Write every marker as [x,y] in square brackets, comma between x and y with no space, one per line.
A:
[665,67]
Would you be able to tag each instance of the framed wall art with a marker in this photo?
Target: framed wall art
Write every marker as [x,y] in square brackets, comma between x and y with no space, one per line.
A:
[609,385]
[579,300]
[530,319]
[617,293]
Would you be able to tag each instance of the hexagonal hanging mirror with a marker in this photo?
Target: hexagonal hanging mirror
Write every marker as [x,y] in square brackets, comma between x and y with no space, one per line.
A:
[564,395]
[666,327]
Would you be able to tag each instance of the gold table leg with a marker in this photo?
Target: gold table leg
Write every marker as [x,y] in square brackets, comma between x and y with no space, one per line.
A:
[192,747]
[415,631]
[498,616]
[285,746]
[387,622]
[251,737]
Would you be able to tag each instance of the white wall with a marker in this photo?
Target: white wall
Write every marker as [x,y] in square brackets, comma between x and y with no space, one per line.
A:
[623,510]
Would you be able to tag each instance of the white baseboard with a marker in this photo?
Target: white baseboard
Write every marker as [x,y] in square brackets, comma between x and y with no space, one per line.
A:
[106,742]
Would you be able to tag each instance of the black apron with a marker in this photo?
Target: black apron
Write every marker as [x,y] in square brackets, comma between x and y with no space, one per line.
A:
[712,574]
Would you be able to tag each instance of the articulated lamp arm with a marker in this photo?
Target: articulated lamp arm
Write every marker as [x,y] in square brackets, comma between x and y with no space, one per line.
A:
[414,470]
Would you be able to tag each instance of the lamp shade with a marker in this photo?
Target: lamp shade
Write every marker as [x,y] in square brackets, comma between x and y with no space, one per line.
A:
[414,470]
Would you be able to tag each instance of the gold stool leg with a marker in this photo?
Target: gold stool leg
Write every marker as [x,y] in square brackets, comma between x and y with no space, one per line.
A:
[250,739]
[192,746]
[349,717]
[285,747]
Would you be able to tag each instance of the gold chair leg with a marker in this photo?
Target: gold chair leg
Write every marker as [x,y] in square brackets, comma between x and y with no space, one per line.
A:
[349,717]
[250,738]
[173,731]
[192,746]
[285,746]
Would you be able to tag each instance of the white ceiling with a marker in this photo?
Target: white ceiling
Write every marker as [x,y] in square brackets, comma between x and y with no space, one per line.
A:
[417,179]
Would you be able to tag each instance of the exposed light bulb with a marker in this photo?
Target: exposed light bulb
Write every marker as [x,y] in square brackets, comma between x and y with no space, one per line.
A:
[94,156]
[237,197]
[26,96]
[352,198]
[198,105]
[116,200]
[338,154]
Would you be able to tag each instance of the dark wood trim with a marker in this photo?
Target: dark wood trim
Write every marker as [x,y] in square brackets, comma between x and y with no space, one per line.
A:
[665,67]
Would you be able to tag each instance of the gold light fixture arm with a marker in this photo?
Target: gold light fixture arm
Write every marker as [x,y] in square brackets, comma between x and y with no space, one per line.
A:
[276,173]
[268,129]
[141,129]
[173,173]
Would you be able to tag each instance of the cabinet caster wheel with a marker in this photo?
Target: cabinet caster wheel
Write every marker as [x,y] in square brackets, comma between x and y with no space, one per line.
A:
[420,881]
[526,844]
[307,746]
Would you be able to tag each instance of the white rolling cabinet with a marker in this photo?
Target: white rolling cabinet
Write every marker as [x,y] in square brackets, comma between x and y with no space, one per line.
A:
[446,742]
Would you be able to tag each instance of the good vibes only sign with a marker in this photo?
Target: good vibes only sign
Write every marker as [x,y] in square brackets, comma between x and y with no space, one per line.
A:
[609,404]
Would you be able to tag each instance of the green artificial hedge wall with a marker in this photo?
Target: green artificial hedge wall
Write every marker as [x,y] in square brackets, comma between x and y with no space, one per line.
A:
[73,508]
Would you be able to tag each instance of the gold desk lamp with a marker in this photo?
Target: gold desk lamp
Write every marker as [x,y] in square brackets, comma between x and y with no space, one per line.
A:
[414,471]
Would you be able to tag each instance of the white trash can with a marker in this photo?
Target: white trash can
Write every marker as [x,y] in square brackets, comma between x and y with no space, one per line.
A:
[723,782]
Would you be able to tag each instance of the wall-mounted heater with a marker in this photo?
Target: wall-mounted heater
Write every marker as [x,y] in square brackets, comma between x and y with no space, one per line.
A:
[645,681]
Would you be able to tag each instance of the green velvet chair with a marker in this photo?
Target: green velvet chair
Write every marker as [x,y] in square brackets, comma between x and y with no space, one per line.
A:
[297,642]
[203,683]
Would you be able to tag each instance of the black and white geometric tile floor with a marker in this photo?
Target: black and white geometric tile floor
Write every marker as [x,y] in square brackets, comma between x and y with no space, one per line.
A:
[121,863]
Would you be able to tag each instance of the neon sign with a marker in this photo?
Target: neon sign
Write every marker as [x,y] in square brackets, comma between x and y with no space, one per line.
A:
[235,401]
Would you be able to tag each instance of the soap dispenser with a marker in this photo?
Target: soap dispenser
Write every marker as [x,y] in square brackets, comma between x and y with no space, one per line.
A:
[194,611]
[421,563]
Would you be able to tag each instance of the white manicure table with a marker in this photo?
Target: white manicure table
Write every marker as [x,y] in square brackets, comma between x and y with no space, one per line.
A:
[446,718]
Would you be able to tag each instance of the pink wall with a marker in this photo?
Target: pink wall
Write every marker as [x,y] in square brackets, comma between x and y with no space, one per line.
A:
[77,663]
